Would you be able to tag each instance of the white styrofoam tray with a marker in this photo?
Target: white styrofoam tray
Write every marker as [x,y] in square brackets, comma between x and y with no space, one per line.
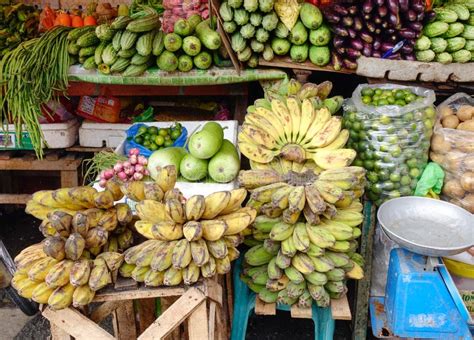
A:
[56,135]
[195,188]
[98,135]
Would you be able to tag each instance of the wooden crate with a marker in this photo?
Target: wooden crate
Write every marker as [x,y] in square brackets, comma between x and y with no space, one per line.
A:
[201,305]
[286,62]
[67,164]
[339,309]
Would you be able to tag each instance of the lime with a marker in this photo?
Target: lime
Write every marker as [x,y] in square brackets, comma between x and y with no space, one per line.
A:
[153,147]
[366,99]
[396,151]
[146,137]
[153,130]
[380,138]
[383,175]
[392,140]
[377,188]
[408,117]
[391,100]
[167,137]
[354,135]
[175,134]
[405,180]
[163,132]
[362,135]
[382,102]
[352,116]
[168,143]
[372,177]
[428,124]
[385,120]
[391,130]
[387,186]
[358,162]
[368,164]
[395,177]
[400,102]
[413,184]
[356,126]
[367,91]
[146,143]
[378,91]
[141,130]
[159,140]
[138,139]
[415,173]
[410,97]
[405,191]
[430,112]
[375,126]
[399,94]
[394,194]
[372,196]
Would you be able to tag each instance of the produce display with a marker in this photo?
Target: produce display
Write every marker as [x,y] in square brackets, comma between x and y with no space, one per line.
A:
[17,23]
[304,237]
[187,238]
[390,128]
[154,138]
[450,37]
[25,98]
[132,44]
[256,29]
[452,146]
[295,131]
[373,28]
[84,233]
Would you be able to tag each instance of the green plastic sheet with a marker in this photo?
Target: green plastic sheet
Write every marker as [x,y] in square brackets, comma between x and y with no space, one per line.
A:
[431,180]
[155,77]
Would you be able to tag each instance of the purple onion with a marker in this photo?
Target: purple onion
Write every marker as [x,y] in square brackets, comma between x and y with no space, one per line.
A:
[377,44]
[410,15]
[349,64]
[347,21]
[416,26]
[382,11]
[387,46]
[353,53]
[352,33]
[366,37]
[357,24]
[368,6]
[340,31]
[338,41]
[407,49]
[353,10]
[367,51]
[393,6]
[377,54]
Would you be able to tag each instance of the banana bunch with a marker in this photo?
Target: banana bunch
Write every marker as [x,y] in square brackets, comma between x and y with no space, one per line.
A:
[294,195]
[298,263]
[160,189]
[187,240]
[298,127]
[61,283]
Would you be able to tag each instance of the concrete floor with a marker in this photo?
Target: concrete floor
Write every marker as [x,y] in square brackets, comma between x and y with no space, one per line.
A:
[12,321]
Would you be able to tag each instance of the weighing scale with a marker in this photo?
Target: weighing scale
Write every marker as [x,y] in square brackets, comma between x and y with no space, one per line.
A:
[421,300]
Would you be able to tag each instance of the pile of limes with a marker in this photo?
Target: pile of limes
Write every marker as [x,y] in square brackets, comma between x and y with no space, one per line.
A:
[154,138]
[382,97]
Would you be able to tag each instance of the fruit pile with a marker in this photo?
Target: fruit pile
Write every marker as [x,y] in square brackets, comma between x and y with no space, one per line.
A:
[450,36]
[84,233]
[256,30]
[298,130]
[187,238]
[154,138]
[306,195]
[390,128]
[452,146]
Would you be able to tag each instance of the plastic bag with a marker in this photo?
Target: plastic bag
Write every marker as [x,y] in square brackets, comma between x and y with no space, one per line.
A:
[392,142]
[453,149]
[130,143]
[431,181]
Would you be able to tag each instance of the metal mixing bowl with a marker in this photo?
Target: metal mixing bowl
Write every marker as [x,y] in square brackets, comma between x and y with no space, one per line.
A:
[427,226]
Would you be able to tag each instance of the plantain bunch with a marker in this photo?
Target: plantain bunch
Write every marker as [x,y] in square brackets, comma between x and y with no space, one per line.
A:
[296,131]
[187,239]
[62,283]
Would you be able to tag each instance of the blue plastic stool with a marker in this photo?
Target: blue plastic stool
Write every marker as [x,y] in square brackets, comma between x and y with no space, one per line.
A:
[244,304]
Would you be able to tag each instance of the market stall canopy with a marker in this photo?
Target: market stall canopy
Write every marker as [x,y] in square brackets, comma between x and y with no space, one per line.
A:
[155,77]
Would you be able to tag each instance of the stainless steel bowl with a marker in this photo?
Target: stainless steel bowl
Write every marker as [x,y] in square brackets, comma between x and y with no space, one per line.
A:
[427,226]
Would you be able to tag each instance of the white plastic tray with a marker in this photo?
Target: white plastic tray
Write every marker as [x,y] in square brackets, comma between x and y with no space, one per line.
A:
[98,135]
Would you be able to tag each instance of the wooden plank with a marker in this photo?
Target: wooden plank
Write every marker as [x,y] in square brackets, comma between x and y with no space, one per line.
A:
[213,291]
[262,308]
[104,310]
[301,313]
[167,302]
[230,295]
[363,286]
[340,309]
[140,293]
[76,324]
[212,321]
[58,334]
[174,315]
[85,149]
[198,327]
[286,62]
[125,321]
[14,198]
[146,314]
[41,165]
[6,154]
[69,179]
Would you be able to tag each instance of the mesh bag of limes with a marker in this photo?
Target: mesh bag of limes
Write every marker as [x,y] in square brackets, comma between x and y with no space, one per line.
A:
[390,128]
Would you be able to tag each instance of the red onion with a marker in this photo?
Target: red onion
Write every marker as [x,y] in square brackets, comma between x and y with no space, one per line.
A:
[102,183]
[142,160]
[139,168]
[137,176]
[133,151]
[126,164]
[122,175]
[108,174]
[133,159]
[118,167]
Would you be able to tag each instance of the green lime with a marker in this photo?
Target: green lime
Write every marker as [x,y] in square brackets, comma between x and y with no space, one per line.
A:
[394,194]
[409,98]
[405,191]
[367,91]
[380,138]
[159,140]
[428,124]
[385,120]
[395,177]
[400,102]
[358,162]
[146,137]
[167,137]
[368,164]
[430,112]
[372,177]
[142,129]
[366,99]
[391,100]
[362,135]
[392,140]
[415,173]
[354,135]
[139,140]
[399,94]
[168,143]
[396,151]
[375,99]
[405,180]
[146,143]
[382,102]
[413,184]
[378,91]
[391,130]
[383,175]
[356,126]
[178,126]
[163,132]
[388,186]
[175,134]
[352,116]
[153,130]
[372,196]
[408,117]
[153,147]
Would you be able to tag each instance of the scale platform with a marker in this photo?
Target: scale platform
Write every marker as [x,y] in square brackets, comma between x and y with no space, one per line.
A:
[421,300]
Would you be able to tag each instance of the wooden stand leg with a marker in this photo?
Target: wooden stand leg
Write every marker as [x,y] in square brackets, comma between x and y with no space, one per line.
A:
[69,179]
[146,313]
[166,302]
[198,323]
[124,321]
[58,334]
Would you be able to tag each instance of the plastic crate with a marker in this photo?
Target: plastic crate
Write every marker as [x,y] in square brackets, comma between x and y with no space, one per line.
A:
[56,136]
[98,135]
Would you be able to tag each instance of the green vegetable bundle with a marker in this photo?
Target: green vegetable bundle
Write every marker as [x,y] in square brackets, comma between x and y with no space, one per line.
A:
[450,38]
[31,75]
